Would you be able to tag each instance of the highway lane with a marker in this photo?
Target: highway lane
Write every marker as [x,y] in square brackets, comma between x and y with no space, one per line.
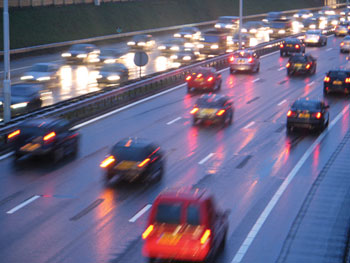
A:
[241,184]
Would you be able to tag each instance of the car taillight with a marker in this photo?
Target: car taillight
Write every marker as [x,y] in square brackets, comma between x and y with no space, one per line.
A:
[250,60]
[194,110]
[308,66]
[317,115]
[147,232]
[281,46]
[297,46]
[188,78]
[49,136]
[210,79]
[327,79]
[231,59]
[14,134]
[205,236]
[348,27]
[144,162]
[347,80]
[291,113]
[199,75]
[342,44]
[106,162]
[220,112]
[288,65]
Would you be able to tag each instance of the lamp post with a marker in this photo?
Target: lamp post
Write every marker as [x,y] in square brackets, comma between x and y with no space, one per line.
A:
[240,24]
[7,80]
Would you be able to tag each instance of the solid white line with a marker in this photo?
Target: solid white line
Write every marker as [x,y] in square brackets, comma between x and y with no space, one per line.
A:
[329,49]
[255,80]
[33,198]
[280,69]
[311,83]
[249,124]
[262,218]
[6,155]
[175,120]
[140,213]
[206,158]
[282,102]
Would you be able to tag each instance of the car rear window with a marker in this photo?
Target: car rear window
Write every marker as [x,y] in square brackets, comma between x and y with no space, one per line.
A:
[338,74]
[306,105]
[193,215]
[130,153]
[169,213]
[243,55]
[298,59]
[207,103]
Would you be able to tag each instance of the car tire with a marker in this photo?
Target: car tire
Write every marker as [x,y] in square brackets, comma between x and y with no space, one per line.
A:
[194,122]
[189,90]
[75,150]
[151,260]
[281,54]
[159,176]
[290,129]
[230,118]
[17,156]
[289,72]
[223,242]
[219,86]
[58,154]
[257,69]
[325,92]
[231,71]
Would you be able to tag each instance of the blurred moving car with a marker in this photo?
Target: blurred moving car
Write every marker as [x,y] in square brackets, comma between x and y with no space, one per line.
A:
[310,114]
[134,159]
[107,56]
[345,44]
[212,42]
[171,45]
[345,12]
[337,80]
[142,42]
[333,20]
[213,108]
[301,64]
[190,33]
[342,29]
[52,137]
[291,45]
[25,97]
[204,79]
[317,21]
[185,225]
[42,73]
[280,28]
[272,16]
[227,23]
[303,14]
[257,29]
[244,60]
[315,37]
[184,56]
[233,42]
[327,10]
[113,74]
[81,53]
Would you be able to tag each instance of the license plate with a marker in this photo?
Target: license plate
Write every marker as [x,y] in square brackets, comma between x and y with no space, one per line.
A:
[208,111]
[241,61]
[125,165]
[29,147]
[199,80]
[289,45]
[170,239]
[337,82]
[298,65]
[304,115]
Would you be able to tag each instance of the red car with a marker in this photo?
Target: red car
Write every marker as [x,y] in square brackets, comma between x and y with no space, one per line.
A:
[185,225]
[204,79]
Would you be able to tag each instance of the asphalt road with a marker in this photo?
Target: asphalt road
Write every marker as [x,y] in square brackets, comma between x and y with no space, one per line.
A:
[66,212]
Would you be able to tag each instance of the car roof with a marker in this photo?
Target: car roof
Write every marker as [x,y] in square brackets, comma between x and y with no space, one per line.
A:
[134,142]
[212,98]
[184,194]
[292,39]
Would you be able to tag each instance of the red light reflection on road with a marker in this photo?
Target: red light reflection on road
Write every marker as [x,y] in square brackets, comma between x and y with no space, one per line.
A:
[247,140]
[345,122]
[281,158]
[307,90]
[315,159]
[192,141]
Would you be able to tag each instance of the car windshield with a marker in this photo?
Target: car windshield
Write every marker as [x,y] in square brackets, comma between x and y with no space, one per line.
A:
[338,74]
[189,30]
[78,48]
[211,39]
[252,24]
[140,38]
[242,55]
[134,153]
[225,20]
[112,68]
[244,37]
[298,59]
[306,105]
[278,24]
[40,68]
[33,130]
[193,215]
[22,91]
[108,52]
[175,41]
[169,213]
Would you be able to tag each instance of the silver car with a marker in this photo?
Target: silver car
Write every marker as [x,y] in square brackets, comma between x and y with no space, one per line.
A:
[111,74]
[42,73]
[244,60]
[345,45]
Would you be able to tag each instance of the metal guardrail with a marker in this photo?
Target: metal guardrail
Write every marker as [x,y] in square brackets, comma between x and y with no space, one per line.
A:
[90,105]
[130,34]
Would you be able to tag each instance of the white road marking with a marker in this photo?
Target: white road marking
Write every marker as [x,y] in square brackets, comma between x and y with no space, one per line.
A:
[263,216]
[280,69]
[255,80]
[311,83]
[140,213]
[249,125]
[206,158]
[329,49]
[6,155]
[175,120]
[282,102]
[28,201]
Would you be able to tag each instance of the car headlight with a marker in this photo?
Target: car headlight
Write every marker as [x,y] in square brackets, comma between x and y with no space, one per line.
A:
[229,26]
[200,46]
[334,22]
[174,57]
[214,46]
[177,35]
[189,45]
[270,31]
[282,31]
[66,55]
[141,44]
[82,56]
[217,26]
[161,47]
[113,78]
[244,30]
[187,36]
[253,31]
[175,48]
[131,43]
[296,15]
[186,58]
[19,105]
[109,61]
[312,26]
[27,77]
[44,78]
[99,76]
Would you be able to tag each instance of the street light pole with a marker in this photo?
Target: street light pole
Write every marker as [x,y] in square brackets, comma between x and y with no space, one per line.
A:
[7,80]
[240,23]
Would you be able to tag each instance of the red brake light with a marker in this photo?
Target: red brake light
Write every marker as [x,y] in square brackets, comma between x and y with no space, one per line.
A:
[188,78]
[144,162]
[49,136]
[199,75]
[342,44]
[194,110]
[210,79]
[220,112]
[290,113]
[250,60]
[106,162]
[297,46]
[13,134]
[327,79]
[231,59]
[347,80]
[282,46]
[308,66]
[147,232]
[288,65]
[318,115]
[205,236]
